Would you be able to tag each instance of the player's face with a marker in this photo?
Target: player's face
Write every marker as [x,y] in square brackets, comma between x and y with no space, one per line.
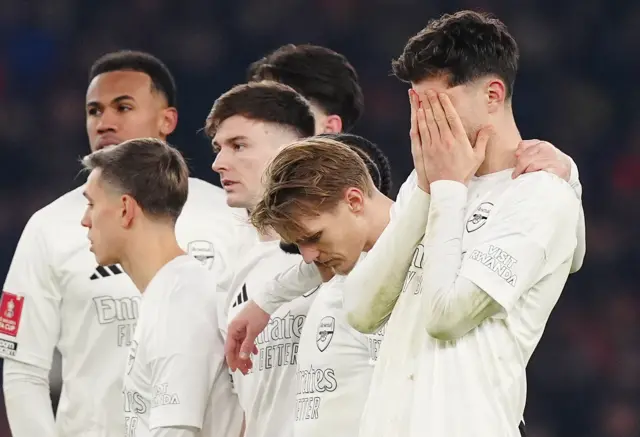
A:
[122,105]
[244,149]
[335,238]
[102,219]
[469,100]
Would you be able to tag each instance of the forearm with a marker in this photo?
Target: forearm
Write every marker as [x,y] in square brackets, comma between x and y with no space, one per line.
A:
[287,286]
[452,305]
[452,312]
[181,431]
[28,400]
[376,283]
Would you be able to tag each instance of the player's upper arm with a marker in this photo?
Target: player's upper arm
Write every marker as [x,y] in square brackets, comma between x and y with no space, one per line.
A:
[581,249]
[30,305]
[186,355]
[527,236]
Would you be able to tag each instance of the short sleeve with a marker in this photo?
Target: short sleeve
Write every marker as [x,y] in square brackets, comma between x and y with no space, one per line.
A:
[531,233]
[30,303]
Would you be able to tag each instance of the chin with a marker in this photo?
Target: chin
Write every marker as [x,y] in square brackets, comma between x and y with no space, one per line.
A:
[236,201]
[345,267]
[103,260]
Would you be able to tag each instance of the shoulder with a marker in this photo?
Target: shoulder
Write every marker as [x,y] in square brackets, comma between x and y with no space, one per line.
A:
[54,219]
[543,190]
[187,283]
[66,207]
[198,187]
[187,296]
[206,200]
[538,202]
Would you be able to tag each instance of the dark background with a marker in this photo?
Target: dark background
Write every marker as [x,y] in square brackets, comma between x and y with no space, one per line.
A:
[576,88]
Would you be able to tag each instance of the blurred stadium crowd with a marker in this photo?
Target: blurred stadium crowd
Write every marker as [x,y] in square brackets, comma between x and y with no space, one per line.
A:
[577,88]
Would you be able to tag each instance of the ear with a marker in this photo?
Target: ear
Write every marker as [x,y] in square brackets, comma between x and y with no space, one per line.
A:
[169,121]
[355,200]
[332,124]
[496,94]
[128,210]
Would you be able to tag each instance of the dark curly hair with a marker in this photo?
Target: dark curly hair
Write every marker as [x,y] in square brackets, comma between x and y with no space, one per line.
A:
[462,47]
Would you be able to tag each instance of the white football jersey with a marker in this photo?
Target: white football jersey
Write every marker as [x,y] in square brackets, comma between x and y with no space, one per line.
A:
[335,365]
[176,375]
[518,243]
[267,393]
[55,296]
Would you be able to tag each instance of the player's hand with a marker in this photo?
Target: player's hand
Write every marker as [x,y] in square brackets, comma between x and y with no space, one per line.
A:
[241,337]
[449,154]
[536,155]
[417,143]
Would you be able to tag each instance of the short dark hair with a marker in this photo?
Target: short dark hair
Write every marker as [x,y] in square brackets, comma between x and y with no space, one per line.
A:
[149,170]
[375,159]
[266,101]
[321,75]
[162,80]
[462,47]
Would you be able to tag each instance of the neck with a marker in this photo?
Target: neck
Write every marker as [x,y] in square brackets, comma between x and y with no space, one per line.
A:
[378,218]
[148,251]
[268,235]
[501,149]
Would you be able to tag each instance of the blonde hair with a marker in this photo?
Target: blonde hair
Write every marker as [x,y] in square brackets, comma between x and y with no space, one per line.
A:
[306,178]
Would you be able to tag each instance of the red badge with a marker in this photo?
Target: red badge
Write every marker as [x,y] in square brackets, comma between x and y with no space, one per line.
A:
[10,312]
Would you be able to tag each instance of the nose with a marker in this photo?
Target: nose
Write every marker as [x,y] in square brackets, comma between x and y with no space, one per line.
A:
[107,122]
[86,222]
[309,253]
[219,164]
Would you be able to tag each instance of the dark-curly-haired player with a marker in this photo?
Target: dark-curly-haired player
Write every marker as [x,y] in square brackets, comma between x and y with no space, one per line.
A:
[467,274]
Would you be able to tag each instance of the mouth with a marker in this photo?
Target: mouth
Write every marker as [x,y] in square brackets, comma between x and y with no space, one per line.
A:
[108,140]
[330,263]
[228,184]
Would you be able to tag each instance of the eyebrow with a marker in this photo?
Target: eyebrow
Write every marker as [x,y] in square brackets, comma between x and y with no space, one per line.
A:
[85,194]
[116,100]
[311,239]
[216,144]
